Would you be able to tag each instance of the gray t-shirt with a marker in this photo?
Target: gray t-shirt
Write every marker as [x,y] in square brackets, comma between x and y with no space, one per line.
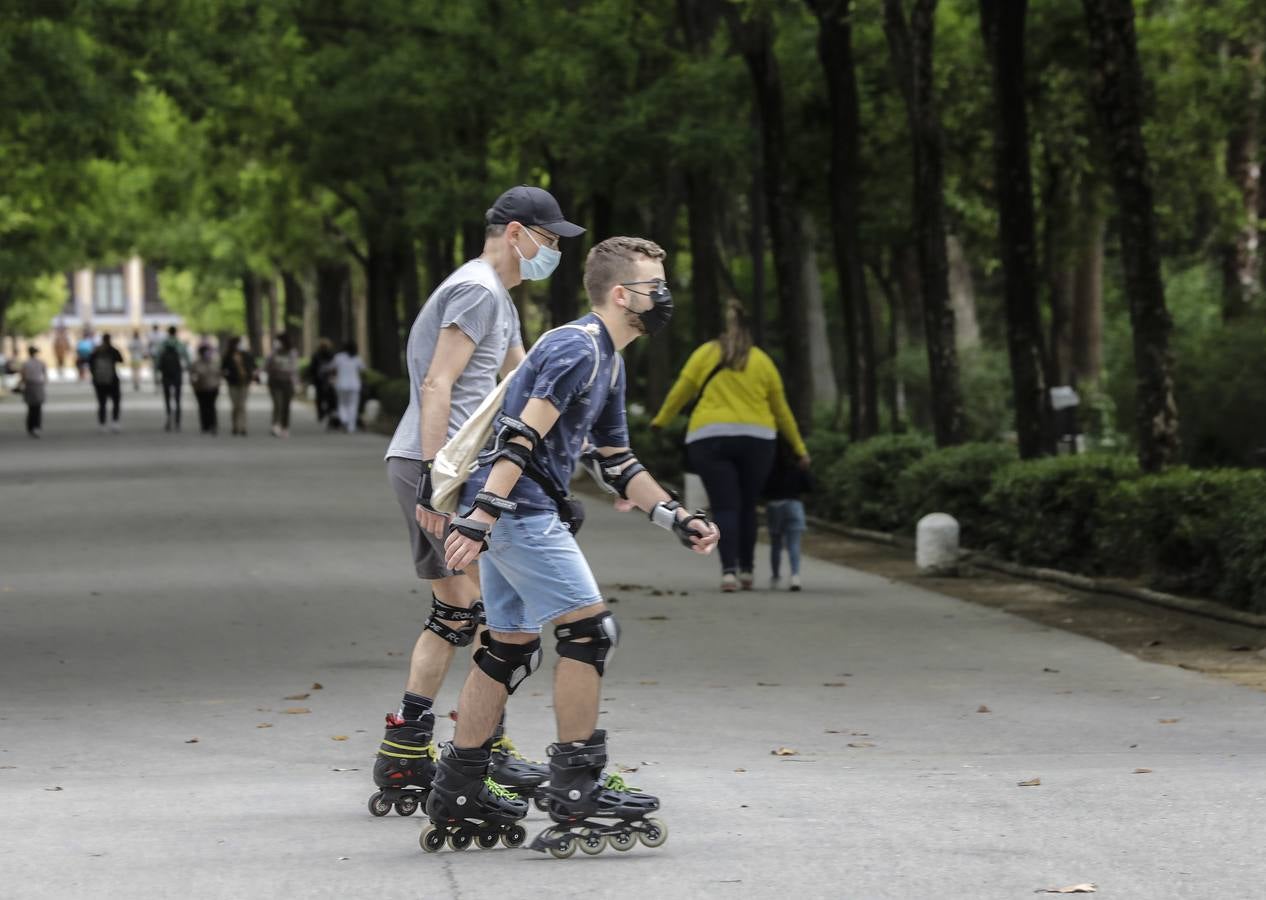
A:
[474,300]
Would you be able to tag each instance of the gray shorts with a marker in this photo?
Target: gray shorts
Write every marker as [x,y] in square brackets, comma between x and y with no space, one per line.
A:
[428,550]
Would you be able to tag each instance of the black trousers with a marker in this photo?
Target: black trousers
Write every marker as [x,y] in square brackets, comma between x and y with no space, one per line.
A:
[734,471]
[107,392]
[171,399]
[206,409]
[34,417]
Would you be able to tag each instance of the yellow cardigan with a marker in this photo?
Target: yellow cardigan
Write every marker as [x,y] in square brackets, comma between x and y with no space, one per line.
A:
[752,396]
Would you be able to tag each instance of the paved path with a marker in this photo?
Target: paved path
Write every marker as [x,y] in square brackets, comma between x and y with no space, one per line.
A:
[159,589]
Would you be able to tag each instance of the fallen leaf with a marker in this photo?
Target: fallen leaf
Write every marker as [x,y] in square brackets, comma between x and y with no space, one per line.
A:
[1142,771]
[452,714]
[783,751]
[861,745]
[657,593]
[648,682]
[54,789]
[833,684]
[344,770]
[264,725]
[1055,671]
[657,618]
[341,858]
[263,709]
[1168,721]
[740,770]
[833,731]
[768,684]
[192,741]
[395,653]
[684,594]
[1241,648]
[296,710]
[983,709]
[339,737]
[317,686]
[627,768]
[1154,643]
[1071,889]
[297,697]
[1032,782]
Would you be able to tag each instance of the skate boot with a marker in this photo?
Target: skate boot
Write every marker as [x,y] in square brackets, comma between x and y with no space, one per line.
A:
[404,766]
[466,805]
[579,795]
[512,770]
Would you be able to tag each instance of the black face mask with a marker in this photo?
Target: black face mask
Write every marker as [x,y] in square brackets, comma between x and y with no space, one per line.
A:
[660,313]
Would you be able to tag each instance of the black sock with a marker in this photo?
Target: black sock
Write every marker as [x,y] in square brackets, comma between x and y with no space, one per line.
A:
[414,706]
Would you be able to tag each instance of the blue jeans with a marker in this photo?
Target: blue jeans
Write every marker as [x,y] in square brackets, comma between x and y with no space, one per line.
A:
[533,572]
[786,524]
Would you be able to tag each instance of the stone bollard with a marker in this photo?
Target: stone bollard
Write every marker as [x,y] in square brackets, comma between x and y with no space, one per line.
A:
[936,545]
[696,496]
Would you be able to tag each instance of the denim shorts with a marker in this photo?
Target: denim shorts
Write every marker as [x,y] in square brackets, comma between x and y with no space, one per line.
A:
[533,572]
[785,516]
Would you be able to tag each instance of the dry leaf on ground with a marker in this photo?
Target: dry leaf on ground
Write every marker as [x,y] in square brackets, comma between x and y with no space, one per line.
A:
[1142,771]
[344,770]
[983,709]
[58,788]
[296,710]
[1032,782]
[339,737]
[1071,889]
[768,684]
[648,682]
[192,741]
[740,770]
[317,686]
[861,745]
[783,751]
[833,684]
[297,697]
[1168,721]
[264,725]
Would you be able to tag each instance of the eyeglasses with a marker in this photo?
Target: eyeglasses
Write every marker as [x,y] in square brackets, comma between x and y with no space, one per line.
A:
[659,286]
[551,240]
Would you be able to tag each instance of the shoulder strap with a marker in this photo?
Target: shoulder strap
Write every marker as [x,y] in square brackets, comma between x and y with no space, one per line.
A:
[597,353]
[708,380]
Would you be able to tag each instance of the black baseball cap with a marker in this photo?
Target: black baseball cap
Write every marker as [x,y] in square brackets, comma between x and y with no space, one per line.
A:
[531,206]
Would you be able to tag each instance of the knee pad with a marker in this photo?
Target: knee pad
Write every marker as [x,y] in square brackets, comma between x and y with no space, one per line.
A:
[592,640]
[508,663]
[458,637]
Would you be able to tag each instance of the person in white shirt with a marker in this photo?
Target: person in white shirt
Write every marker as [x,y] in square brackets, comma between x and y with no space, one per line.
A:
[347,366]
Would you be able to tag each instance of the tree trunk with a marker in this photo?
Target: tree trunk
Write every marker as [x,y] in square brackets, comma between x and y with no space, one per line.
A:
[1002,24]
[825,389]
[705,292]
[756,40]
[406,263]
[756,195]
[911,50]
[333,281]
[835,51]
[962,289]
[254,324]
[565,284]
[294,304]
[1119,102]
[473,234]
[603,217]
[269,287]
[382,290]
[1241,266]
[1086,357]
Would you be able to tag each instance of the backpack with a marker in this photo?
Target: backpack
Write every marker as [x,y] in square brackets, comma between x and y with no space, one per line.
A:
[459,458]
[103,371]
[169,360]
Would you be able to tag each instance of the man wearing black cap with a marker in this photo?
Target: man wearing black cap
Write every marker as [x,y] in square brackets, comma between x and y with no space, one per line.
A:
[466,335]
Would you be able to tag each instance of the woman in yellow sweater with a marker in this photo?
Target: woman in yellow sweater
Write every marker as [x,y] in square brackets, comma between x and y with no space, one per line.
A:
[732,434]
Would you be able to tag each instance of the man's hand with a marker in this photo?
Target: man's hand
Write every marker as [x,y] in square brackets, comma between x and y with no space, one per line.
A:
[430,520]
[711,534]
[460,551]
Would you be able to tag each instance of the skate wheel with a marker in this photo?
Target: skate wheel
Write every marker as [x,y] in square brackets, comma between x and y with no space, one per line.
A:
[487,839]
[565,849]
[622,840]
[407,806]
[656,832]
[431,839]
[460,840]
[514,836]
[592,843]
[379,805]
[542,803]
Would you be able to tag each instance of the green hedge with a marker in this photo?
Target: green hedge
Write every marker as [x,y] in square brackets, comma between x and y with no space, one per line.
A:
[955,480]
[860,487]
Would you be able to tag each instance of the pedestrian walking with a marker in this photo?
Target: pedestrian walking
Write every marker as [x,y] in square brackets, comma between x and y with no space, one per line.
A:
[61,349]
[171,362]
[282,368]
[740,410]
[518,517]
[239,370]
[83,352]
[204,378]
[789,480]
[154,342]
[346,367]
[104,362]
[136,354]
[32,379]
[466,335]
[323,395]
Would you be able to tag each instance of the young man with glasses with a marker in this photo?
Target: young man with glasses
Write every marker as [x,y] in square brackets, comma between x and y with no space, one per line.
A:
[569,391]
[466,335]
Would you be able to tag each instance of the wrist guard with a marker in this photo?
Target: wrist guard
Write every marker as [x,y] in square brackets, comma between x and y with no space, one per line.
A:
[665,516]
[424,485]
[494,504]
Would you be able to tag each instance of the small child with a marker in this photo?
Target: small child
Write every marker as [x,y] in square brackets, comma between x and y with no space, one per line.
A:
[788,479]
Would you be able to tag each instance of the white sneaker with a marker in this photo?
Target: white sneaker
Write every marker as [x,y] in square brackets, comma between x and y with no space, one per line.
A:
[729,583]
[116,427]
[746,581]
[795,583]
[775,583]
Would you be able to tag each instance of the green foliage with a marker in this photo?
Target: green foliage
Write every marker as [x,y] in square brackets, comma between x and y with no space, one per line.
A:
[392,395]
[861,487]
[210,304]
[36,302]
[954,480]
[1049,512]
[659,450]
[986,385]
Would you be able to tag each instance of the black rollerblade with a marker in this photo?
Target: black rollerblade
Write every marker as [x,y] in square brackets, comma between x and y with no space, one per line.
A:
[405,766]
[511,769]
[467,806]
[578,795]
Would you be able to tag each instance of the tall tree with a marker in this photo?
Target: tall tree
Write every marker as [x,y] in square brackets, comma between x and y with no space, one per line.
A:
[1241,264]
[1118,98]
[835,50]
[911,49]
[1002,24]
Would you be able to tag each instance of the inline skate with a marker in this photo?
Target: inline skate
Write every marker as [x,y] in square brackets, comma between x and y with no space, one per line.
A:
[465,805]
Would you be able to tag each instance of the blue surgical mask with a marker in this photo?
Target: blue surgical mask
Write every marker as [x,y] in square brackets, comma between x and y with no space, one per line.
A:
[541,266]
